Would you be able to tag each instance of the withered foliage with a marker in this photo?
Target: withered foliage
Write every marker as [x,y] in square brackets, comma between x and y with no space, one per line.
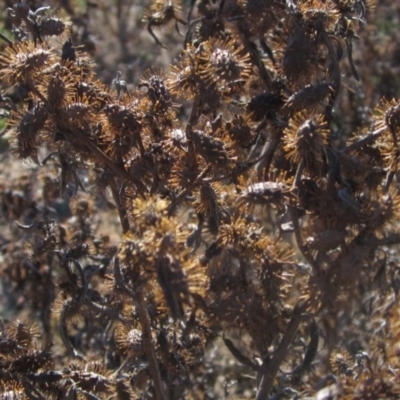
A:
[224,229]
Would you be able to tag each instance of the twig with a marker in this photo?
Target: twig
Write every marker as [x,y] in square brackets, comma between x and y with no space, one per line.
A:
[272,368]
[79,267]
[364,140]
[62,327]
[6,39]
[141,308]
[119,170]
[387,241]
[123,216]
[295,222]
[267,155]
[106,311]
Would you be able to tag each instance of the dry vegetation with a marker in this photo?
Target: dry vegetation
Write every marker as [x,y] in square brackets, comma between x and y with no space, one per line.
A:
[209,210]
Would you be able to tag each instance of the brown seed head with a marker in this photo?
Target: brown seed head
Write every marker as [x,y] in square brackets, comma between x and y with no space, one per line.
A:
[305,140]
[22,61]
[224,63]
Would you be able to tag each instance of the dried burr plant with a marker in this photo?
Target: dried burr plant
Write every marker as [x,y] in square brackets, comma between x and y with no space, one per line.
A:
[228,228]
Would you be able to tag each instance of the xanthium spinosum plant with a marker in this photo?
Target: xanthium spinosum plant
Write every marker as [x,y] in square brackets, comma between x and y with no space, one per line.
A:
[226,228]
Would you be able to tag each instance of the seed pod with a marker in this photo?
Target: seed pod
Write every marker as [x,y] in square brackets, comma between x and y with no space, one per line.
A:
[17,338]
[305,139]
[24,60]
[130,341]
[90,381]
[52,27]
[12,390]
[76,114]
[207,204]
[162,13]
[56,91]
[23,333]
[121,122]
[28,129]
[258,15]
[263,193]
[134,341]
[31,361]
[311,97]
[265,105]
[121,117]
[387,118]
[211,149]
[157,91]
[392,118]
[299,60]
[224,63]
[241,131]
[173,282]
[341,362]
[182,79]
